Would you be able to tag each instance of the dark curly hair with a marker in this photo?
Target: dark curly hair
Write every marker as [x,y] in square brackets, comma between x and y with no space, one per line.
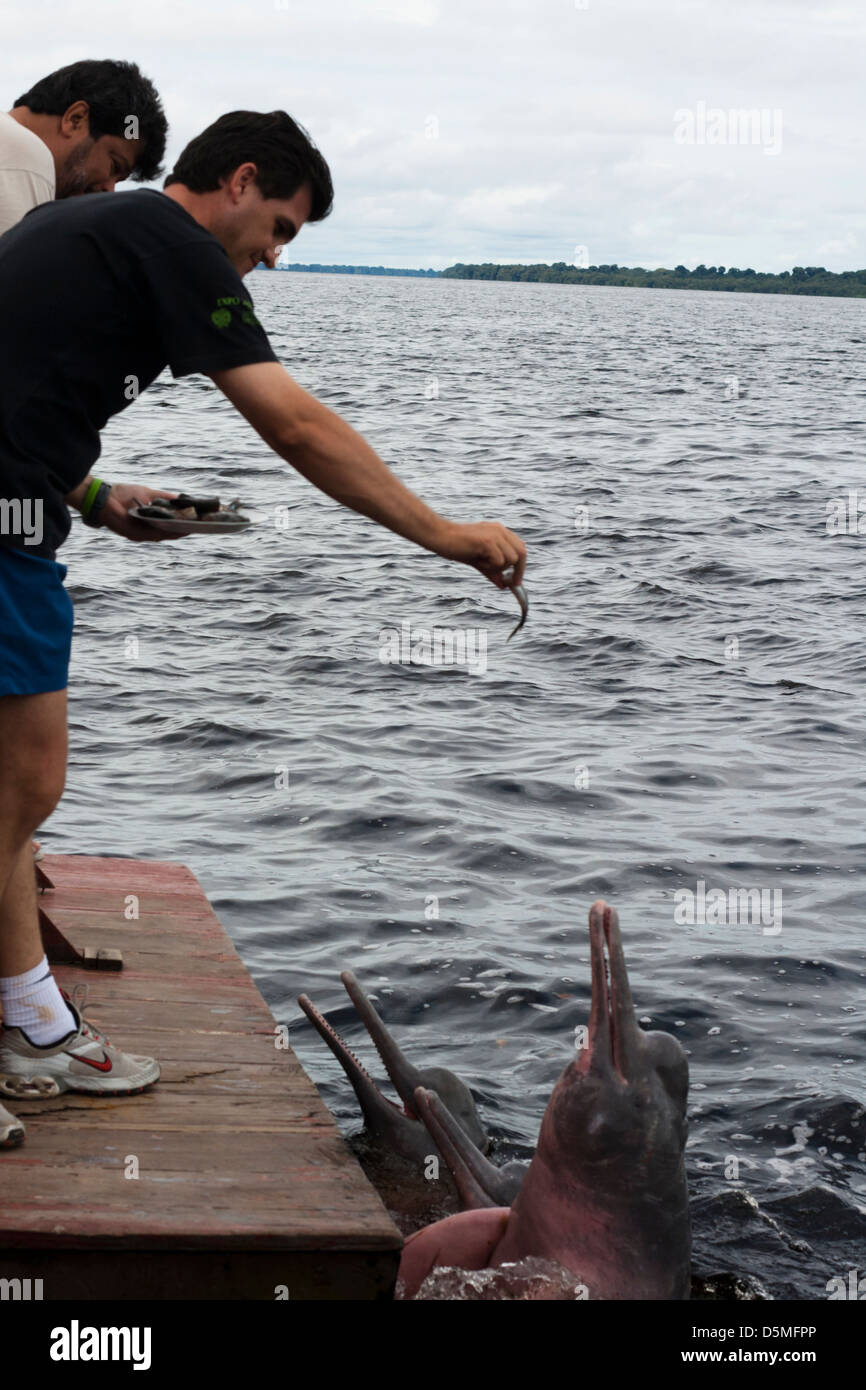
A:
[114,91]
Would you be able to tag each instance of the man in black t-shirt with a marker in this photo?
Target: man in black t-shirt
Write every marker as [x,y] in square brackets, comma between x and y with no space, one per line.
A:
[99,295]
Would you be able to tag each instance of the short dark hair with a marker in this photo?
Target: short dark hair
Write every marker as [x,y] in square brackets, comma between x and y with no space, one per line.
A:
[114,91]
[282,151]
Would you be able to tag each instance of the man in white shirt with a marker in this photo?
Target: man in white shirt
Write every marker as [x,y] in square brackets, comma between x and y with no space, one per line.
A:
[82,129]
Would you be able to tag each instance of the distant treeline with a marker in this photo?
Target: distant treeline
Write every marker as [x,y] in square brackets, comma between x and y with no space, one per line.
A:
[810,279]
[356,270]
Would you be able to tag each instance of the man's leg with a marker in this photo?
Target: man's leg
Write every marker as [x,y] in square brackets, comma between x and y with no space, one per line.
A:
[45,1045]
[19,911]
[29,995]
[33,747]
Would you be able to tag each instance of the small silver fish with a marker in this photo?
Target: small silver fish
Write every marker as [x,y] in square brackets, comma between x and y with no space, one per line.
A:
[520,594]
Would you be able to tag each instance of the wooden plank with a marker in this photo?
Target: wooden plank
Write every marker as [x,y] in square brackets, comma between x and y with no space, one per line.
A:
[235,1151]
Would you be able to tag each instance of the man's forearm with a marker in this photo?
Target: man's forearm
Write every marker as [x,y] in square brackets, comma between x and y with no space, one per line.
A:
[334,457]
[76,497]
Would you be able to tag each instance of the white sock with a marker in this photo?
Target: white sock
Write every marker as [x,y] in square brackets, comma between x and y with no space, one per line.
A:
[33,1003]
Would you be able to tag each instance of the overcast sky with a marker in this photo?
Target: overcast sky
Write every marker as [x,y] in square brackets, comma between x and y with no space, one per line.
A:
[468,130]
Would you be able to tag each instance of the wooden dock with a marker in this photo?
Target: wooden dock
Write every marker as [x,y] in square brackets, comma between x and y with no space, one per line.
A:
[245,1188]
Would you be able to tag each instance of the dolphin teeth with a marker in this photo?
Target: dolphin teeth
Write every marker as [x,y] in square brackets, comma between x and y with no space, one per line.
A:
[310,1009]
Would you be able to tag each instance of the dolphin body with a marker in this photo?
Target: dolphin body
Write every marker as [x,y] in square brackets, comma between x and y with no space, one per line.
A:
[605,1196]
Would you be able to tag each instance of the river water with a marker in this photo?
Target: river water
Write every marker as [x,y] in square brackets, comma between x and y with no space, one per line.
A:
[682,713]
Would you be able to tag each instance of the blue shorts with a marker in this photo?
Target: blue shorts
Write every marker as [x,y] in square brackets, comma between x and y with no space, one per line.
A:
[36,618]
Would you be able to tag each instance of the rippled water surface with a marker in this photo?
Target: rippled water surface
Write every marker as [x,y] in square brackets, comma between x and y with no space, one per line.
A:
[684,704]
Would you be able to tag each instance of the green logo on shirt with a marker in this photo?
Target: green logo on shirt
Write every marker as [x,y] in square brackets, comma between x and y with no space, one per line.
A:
[222,315]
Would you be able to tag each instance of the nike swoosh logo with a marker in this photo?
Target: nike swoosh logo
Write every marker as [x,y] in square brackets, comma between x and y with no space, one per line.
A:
[104,1065]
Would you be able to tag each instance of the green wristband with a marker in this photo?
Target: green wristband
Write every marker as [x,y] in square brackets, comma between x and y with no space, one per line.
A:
[90,496]
[93,503]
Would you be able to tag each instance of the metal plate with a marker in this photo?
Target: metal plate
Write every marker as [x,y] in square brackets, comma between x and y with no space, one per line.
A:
[205,527]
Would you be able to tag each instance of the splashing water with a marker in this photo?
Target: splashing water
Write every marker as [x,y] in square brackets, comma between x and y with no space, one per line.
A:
[529,1280]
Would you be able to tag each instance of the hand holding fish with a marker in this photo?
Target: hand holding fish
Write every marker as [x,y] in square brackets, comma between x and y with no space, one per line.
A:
[498,553]
[487,545]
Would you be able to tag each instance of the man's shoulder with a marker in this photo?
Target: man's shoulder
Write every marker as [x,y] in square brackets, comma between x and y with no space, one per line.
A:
[21,150]
[150,211]
[133,226]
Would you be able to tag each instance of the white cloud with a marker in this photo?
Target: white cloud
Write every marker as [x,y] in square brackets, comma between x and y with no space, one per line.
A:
[502,208]
[553,125]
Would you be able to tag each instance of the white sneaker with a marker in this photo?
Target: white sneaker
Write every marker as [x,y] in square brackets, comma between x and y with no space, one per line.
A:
[83,1061]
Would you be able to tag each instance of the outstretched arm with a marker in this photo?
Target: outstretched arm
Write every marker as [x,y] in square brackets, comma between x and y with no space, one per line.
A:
[333,456]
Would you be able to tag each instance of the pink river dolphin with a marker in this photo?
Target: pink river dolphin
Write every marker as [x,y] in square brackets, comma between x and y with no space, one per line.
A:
[605,1196]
